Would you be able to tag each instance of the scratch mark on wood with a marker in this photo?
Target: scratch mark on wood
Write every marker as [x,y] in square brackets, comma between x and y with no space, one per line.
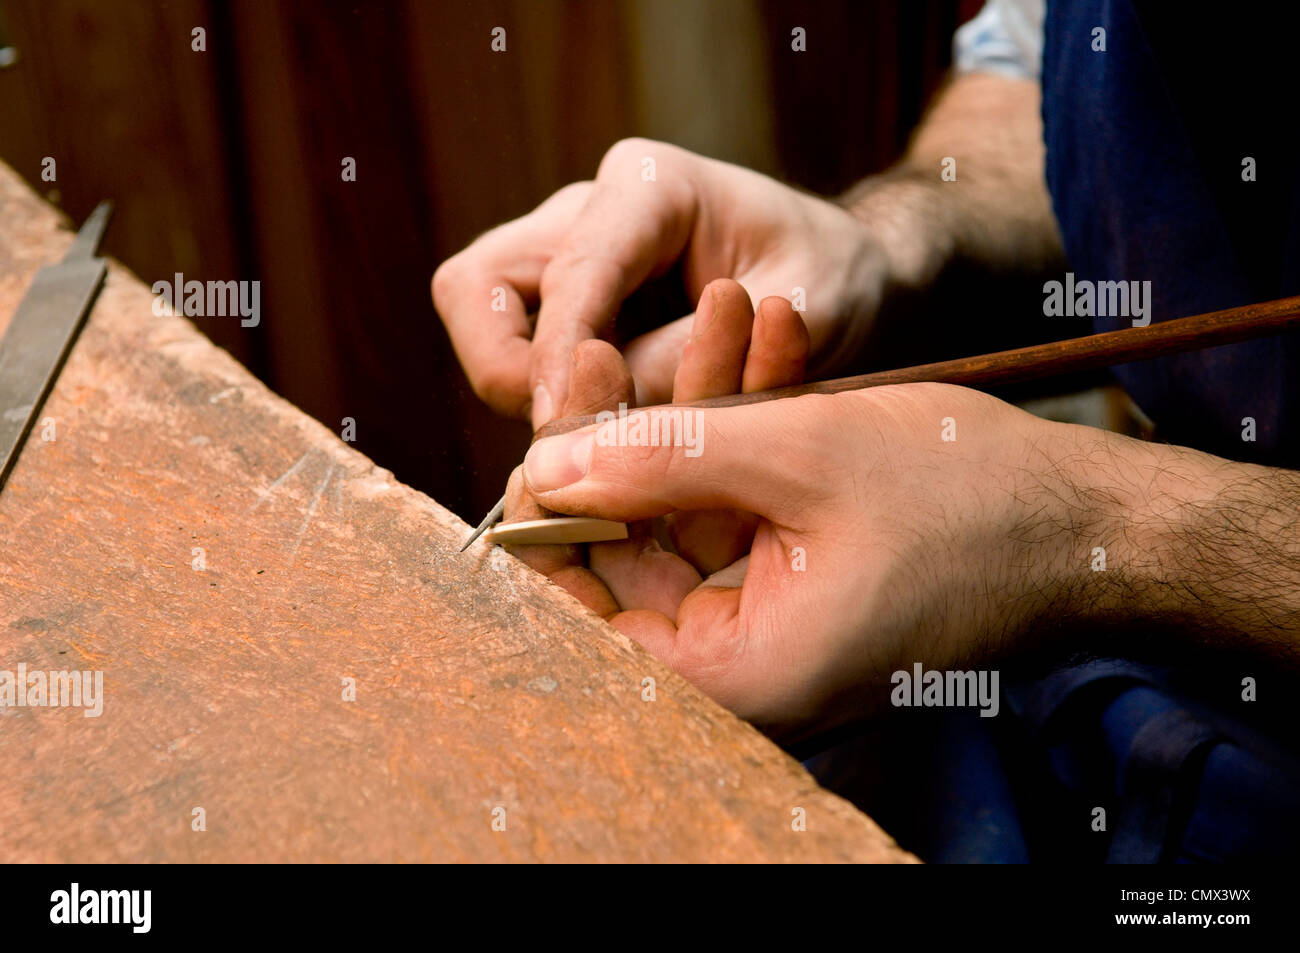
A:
[279,481]
[339,499]
[311,510]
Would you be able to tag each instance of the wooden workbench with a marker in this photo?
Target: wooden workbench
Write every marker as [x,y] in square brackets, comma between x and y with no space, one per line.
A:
[477,688]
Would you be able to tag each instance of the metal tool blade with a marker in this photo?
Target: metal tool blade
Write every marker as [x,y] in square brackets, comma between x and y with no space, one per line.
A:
[86,242]
[494,514]
[41,333]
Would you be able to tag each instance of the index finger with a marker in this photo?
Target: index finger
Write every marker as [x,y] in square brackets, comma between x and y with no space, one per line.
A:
[630,228]
[484,295]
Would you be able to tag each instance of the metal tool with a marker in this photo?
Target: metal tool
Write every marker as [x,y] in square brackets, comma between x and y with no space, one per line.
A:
[494,514]
[41,333]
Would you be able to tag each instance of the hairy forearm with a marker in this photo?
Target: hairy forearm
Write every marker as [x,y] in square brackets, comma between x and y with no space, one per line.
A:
[1196,545]
[1223,551]
[995,213]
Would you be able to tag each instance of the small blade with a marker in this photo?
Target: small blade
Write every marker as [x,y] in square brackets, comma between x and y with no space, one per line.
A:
[494,514]
[86,243]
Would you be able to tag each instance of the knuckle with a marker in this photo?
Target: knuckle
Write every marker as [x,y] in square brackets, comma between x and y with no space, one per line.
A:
[446,278]
[573,193]
[709,659]
[626,151]
[627,154]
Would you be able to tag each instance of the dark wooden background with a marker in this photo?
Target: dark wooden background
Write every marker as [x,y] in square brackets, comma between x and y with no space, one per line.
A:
[225,164]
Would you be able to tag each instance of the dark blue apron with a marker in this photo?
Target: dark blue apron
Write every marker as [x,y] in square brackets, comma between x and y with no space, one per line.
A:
[1150,145]
[1145,150]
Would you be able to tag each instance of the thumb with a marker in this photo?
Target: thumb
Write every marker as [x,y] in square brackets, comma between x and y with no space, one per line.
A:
[654,461]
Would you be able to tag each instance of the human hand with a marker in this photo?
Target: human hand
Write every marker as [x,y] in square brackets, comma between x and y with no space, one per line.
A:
[731,350]
[519,300]
[879,542]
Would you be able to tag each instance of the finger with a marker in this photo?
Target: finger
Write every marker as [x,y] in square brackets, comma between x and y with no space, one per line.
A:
[655,356]
[588,588]
[653,631]
[637,573]
[778,347]
[759,458]
[708,644]
[629,228]
[714,646]
[713,360]
[488,323]
[484,295]
[713,364]
[704,646]
[641,575]
[599,380]
[563,565]
[546,558]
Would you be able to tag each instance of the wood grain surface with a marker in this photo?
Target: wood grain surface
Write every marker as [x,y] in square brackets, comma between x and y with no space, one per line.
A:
[478,687]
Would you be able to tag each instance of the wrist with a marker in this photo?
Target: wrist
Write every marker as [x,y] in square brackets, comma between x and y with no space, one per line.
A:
[1086,535]
[1170,539]
[1216,553]
[904,213]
